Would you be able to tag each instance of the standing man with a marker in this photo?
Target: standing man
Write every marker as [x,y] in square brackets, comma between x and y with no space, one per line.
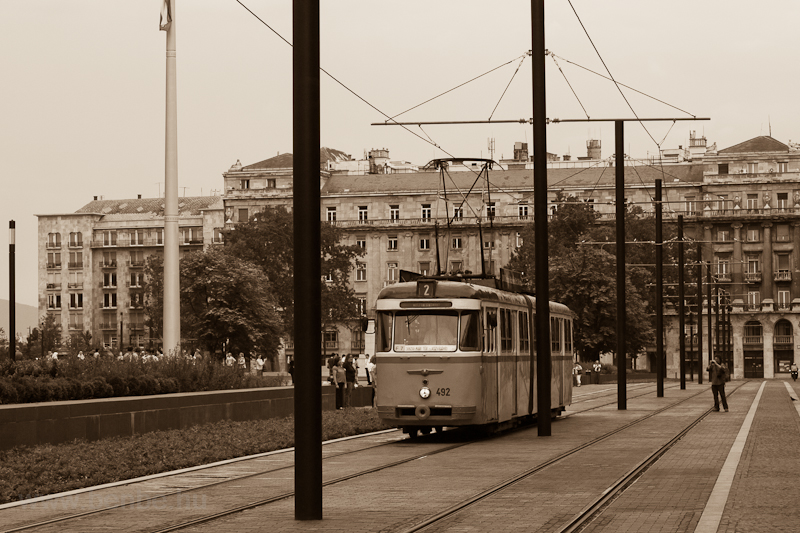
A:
[718,374]
[597,367]
[577,370]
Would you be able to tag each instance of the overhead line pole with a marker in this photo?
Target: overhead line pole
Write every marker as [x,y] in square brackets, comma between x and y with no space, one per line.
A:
[543,355]
[659,296]
[681,303]
[622,391]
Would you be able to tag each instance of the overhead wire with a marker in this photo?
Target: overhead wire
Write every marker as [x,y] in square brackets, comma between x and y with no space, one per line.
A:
[553,57]
[507,86]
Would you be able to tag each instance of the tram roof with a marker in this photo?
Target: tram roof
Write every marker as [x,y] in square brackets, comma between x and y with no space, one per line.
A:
[463,289]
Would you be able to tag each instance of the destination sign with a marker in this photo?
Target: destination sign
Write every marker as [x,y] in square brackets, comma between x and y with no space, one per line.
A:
[423,305]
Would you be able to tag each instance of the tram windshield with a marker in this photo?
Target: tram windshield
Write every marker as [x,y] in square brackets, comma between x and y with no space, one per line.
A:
[436,331]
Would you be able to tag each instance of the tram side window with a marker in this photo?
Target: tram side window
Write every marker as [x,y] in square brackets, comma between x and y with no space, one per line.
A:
[555,335]
[568,337]
[490,331]
[524,333]
[506,331]
[469,339]
[384,332]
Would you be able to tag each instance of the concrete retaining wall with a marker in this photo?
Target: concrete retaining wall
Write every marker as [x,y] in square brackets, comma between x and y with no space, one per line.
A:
[56,422]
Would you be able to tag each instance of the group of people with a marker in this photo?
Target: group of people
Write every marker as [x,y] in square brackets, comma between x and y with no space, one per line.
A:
[257,365]
[343,374]
[577,372]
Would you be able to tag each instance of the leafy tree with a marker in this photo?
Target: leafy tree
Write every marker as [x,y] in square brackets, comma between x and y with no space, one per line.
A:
[49,334]
[223,298]
[3,344]
[267,240]
[79,342]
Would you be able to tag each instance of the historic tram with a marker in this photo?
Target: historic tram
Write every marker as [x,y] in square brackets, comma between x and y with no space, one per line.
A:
[458,352]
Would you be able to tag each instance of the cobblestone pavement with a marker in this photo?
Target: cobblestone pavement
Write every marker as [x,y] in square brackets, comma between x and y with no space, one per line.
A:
[670,496]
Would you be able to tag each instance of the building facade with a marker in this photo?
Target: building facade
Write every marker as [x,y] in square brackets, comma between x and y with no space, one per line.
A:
[91,263]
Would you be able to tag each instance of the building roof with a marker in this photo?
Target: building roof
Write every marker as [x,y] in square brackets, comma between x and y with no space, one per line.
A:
[187,206]
[511,179]
[287,160]
[762,143]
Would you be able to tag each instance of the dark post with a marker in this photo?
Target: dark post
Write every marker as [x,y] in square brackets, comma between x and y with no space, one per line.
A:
[708,297]
[691,345]
[700,313]
[681,305]
[543,362]
[307,270]
[12,297]
[622,396]
[717,329]
[659,296]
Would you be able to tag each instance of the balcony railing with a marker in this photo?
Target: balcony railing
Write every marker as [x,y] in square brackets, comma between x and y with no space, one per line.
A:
[109,285]
[108,325]
[53,265]
[357,345]
[136,327]
[331,345]
[78,244]
[136,305]
[108,264]
[75,264]
[783,275]
[53,286]
[77,325]
[108,306]
[753,339]
[783,339]
[54,245]
[76,285]
[136,263]
[752,277]
[723,276]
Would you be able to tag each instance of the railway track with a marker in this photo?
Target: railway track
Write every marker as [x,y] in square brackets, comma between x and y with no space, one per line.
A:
[423,447]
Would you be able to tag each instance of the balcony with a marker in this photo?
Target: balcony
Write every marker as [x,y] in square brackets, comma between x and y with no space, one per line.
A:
[108,325]
[53,265]
[136,263]
[78,244]
[109,285]
[53,286]
[783,275]
[723,276]
[54,245]
[111,305]
[752,277]
[135,305]
[753,340]
[752,307]
[357,345]
[331,345]
[76,264]
[76,326]
[76,285]
[112,263]
[783,339]
[136,327]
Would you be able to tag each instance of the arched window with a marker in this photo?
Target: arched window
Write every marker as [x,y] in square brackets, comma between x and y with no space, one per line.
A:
[753,332]
[783,332]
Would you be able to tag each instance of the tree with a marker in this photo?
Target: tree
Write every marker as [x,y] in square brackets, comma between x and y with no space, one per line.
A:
[49,333]
[78,342]
[223,298]
[267,240]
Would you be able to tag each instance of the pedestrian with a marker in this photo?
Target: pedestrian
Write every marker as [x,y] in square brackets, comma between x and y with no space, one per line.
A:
[718,374]
[229,360]
[368,370]
[339,381]
[577,370]
[372,367]
[80,355]
[242,363]
[350,381]
[291,368]
[259,365]
[597,367]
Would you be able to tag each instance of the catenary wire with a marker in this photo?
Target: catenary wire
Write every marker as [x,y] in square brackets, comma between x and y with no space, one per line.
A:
[507,86]
[553,57]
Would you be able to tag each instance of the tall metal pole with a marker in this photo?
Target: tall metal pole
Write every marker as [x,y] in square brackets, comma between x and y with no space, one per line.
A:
[710,336]
[307,269]
[172,284]
[659,296]
[700,313]
[681,303]
[12,297]
[622,396]
[543,362]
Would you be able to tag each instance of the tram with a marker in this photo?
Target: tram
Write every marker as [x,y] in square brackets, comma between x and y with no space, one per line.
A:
[458,352]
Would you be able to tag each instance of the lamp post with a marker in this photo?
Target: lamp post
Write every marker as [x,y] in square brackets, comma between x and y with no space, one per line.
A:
[12,297]
[691,346]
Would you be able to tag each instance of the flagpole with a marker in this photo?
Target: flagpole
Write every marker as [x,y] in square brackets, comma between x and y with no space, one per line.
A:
[172,310]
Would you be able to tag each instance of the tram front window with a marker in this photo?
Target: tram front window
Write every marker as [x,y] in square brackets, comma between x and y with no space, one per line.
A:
[415,331]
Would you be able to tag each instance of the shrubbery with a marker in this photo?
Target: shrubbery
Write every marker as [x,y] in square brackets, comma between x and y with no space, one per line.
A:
[53,380]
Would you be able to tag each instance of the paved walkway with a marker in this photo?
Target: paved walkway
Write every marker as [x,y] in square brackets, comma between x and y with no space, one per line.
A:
[733,472]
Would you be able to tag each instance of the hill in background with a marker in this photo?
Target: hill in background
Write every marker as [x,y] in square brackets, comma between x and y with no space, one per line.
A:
[27,316]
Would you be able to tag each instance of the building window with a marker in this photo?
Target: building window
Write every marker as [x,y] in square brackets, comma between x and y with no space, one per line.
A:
[724,235]
[75,321]
[244,184]
[690,205]
[753,300]
[752,168]
[110,300]
[54,301]
[75,239]
[271,183]
[721,205]
[217,236]
[137,300]
[722,168]
[331,214]
[109,260]
[361,305]
[361,271]
[53,259]
[331,338]
[54,280]
[425,268]
[361,242]
[490,210]
[783,263]
[160,237]
[75,260]
[243,215]
[391,272]
[424,243]
[782,232]
[363,214]
[54,240]
[458,213]
[753,234]
[723,265]
[137,237]
[109,238]
[394,212]
[456,243]
[109,280]
[752,202]
[784,300]
[488,245]
[137,279]
[523,211]
[426,211]
[76,279]
[76,300]
[783,201]
[393,243]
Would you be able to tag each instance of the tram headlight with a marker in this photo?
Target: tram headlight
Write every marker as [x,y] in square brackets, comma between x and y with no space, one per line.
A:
[424,393]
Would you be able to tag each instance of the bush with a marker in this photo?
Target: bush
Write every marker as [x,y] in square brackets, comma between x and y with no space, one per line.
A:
[119,386]
[8,393]
[102,389]
[87,390]
[134,386]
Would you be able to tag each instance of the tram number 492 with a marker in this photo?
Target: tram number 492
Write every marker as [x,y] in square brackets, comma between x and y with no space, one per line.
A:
[443,391]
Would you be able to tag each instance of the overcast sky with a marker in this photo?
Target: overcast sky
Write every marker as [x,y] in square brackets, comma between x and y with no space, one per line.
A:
[83,87]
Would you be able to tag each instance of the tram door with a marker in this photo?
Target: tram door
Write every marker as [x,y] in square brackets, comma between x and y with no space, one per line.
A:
[489,394]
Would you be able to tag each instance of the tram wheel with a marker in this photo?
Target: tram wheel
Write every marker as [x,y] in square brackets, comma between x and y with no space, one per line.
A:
[425,430]
[413,433]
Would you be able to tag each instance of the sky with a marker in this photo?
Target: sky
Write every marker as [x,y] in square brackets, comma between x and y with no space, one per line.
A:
[83,87]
